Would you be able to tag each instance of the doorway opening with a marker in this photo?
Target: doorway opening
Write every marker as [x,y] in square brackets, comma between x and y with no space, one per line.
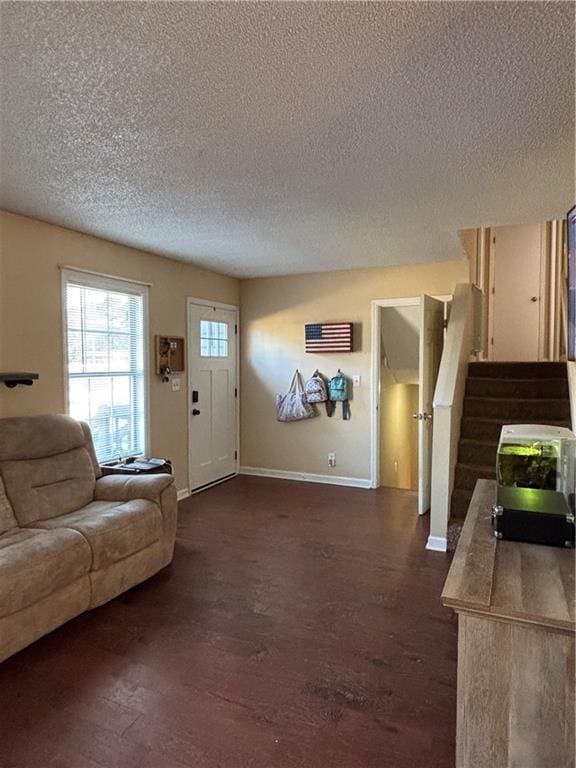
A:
[407,342]
[399,392]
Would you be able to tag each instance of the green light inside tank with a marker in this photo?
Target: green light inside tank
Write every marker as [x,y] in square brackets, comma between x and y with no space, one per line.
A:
[536,449]
[520,450]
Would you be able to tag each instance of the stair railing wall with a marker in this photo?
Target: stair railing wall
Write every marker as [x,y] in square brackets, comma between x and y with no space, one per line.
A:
[572,389]
[561,339]
[463,338]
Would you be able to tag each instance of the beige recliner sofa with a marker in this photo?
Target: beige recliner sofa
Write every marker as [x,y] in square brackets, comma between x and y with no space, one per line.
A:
[70,539]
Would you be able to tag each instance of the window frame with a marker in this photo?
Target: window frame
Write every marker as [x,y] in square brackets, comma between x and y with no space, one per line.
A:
[119,284]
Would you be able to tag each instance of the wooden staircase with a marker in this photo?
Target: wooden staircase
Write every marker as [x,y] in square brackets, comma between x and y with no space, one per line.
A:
[498,394]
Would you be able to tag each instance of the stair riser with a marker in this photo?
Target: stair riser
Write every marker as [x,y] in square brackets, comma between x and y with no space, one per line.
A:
[459,505]
[489,431]
[554,389]
[518,411]
[518,370]
[466,477]
[477,453]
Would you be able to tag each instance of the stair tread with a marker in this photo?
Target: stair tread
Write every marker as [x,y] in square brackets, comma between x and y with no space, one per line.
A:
[476,467]
[519,379]
[503,370]
[519,389]
[538,400]
[518,363]
[487,419]
[485,443]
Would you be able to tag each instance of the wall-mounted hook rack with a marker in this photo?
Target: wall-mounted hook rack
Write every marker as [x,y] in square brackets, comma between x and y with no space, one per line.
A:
[170,357]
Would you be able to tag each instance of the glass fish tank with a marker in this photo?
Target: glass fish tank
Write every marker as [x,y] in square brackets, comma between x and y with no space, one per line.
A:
[539,462]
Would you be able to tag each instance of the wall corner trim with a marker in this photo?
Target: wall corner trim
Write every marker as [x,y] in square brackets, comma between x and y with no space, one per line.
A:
[437,544]
[183,493]
[307,477]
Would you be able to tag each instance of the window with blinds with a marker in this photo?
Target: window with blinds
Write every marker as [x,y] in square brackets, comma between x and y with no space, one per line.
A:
[105,321]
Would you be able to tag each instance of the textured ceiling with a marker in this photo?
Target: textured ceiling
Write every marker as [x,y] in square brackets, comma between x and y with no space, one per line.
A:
[274,138]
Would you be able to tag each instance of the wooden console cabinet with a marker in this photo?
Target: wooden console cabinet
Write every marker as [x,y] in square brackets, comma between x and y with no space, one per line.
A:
[515,605]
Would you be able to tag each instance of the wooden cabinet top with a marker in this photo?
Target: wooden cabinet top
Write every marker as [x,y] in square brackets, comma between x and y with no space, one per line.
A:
[508,580]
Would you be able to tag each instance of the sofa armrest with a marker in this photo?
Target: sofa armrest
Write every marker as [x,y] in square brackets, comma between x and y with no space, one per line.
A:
[159,489]
[125,488]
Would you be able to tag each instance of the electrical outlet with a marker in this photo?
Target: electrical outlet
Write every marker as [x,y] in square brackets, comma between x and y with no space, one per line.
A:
[357,380]
[175,385]
[331,459]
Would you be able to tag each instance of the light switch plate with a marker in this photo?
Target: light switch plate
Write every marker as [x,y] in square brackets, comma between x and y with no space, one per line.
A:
[175,385]
[357,380]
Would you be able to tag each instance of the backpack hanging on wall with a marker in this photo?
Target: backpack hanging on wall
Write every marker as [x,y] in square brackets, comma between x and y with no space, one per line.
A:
[316,390]
[338,393]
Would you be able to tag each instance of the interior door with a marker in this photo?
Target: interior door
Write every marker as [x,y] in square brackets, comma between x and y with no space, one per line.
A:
[516,293]
[431,344]
[212,394]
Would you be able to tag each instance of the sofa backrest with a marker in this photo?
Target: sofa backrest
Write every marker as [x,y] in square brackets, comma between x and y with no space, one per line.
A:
[47,464]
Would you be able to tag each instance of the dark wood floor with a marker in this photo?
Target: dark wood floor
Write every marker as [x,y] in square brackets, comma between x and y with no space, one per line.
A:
[299,626]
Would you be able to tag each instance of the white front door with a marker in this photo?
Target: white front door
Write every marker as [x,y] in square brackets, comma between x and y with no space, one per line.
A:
[212,393]
[431,344]
[516,293]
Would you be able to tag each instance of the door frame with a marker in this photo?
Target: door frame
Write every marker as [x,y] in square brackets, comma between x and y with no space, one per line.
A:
[376,346]
[195,302]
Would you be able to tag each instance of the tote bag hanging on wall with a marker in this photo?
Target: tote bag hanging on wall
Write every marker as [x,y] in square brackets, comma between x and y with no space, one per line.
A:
[293,406]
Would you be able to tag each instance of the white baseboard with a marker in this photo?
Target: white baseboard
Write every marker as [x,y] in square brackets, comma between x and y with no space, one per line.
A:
[213,485]
[437,543]
[183,493]
[307,477]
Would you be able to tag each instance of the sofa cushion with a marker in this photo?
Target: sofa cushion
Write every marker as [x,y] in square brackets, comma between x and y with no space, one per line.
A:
[47,464]
[36,563]
[114,530]
[7,519]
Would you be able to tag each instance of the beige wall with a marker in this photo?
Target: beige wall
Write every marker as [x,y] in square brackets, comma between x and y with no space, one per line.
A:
[31,319]
[399,436]
[273,314]
[274,311]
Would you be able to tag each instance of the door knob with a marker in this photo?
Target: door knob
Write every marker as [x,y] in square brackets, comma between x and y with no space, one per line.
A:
[416,416]
[533,298]
[195,412]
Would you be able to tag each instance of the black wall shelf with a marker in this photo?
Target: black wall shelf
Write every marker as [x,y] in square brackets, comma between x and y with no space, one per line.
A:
[13,379]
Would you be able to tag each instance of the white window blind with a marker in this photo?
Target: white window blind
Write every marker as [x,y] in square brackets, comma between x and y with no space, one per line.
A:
[105,323]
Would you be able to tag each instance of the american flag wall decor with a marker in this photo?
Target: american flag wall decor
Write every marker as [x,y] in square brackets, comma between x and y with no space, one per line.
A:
[328,337]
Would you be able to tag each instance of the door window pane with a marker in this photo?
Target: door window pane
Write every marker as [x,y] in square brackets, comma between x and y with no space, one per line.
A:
[213,339]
